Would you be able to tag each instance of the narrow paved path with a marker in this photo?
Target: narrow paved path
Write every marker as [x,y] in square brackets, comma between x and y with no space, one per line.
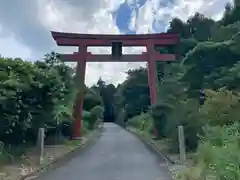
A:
[117,155]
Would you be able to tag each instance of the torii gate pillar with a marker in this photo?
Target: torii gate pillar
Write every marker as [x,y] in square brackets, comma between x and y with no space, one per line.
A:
[82,56]
[152,73]
[80,81]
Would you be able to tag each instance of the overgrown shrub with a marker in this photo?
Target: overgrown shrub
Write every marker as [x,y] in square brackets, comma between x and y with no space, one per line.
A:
[143,122]
[121,117]
[221,107]
[185,113]
[96,116]
[27,98]
[167,118]
[34,95]
[159,114]
[218,152]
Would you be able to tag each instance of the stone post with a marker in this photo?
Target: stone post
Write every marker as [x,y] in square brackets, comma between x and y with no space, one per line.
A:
[41,143]
[182,149]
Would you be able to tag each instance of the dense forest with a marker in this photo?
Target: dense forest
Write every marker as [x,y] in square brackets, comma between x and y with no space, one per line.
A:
[199,91]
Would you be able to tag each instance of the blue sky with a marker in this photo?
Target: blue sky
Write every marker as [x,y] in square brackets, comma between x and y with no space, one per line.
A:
[25,25]
[123,16]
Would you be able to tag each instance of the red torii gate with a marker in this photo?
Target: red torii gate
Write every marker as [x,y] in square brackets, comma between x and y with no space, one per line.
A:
[82,41]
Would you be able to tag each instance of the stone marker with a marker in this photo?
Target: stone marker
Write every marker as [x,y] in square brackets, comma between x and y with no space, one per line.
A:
[41,143]
[182,149]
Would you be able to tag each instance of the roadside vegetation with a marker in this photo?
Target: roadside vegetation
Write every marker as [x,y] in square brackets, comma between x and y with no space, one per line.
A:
[200,92]
[40,94]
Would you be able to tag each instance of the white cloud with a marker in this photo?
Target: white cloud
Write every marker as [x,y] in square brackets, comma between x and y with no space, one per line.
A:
[99,22]
[72,16]
[143,20]
[152,11]
[26,29]
[13,48]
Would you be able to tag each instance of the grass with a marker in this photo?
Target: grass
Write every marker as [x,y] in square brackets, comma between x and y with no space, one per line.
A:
[74,142]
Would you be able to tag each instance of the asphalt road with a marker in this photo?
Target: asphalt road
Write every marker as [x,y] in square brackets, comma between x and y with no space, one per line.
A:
[117,155]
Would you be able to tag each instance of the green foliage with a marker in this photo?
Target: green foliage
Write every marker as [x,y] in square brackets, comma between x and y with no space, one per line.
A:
[4,155]
[39,94]
[185,113]
[159,114]
[107,92]
[229,31]
[34,95]
[143,122]
[91,99]
[219,152]
[209,62]
[219,148]
[231,14]
[221,108]
[192,173]
[25,103]
[133,94]
[120,116]
[95,116]
[10,153]
[197,26]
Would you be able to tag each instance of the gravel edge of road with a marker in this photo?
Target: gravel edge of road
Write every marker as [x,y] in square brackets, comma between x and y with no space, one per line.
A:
[168,163]
[151,145]
[172,166]
[58,162]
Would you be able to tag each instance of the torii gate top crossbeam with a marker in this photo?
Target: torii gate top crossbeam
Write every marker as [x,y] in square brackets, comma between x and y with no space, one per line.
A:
[74,39]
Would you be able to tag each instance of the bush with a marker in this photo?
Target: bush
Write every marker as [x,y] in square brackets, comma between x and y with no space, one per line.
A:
[96,115]
[39,94]
[221,107]
[142,122]
[120,117]
[4,155]
[27,99]
[192,173]
[8,154]
[167,118]
[185,113]
[34,95]
[159,114]
[218,153]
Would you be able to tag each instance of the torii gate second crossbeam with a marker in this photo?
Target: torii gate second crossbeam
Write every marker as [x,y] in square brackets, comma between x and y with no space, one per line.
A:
[82,41]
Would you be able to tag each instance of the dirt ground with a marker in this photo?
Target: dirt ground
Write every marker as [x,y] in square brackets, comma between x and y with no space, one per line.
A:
[31,161]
